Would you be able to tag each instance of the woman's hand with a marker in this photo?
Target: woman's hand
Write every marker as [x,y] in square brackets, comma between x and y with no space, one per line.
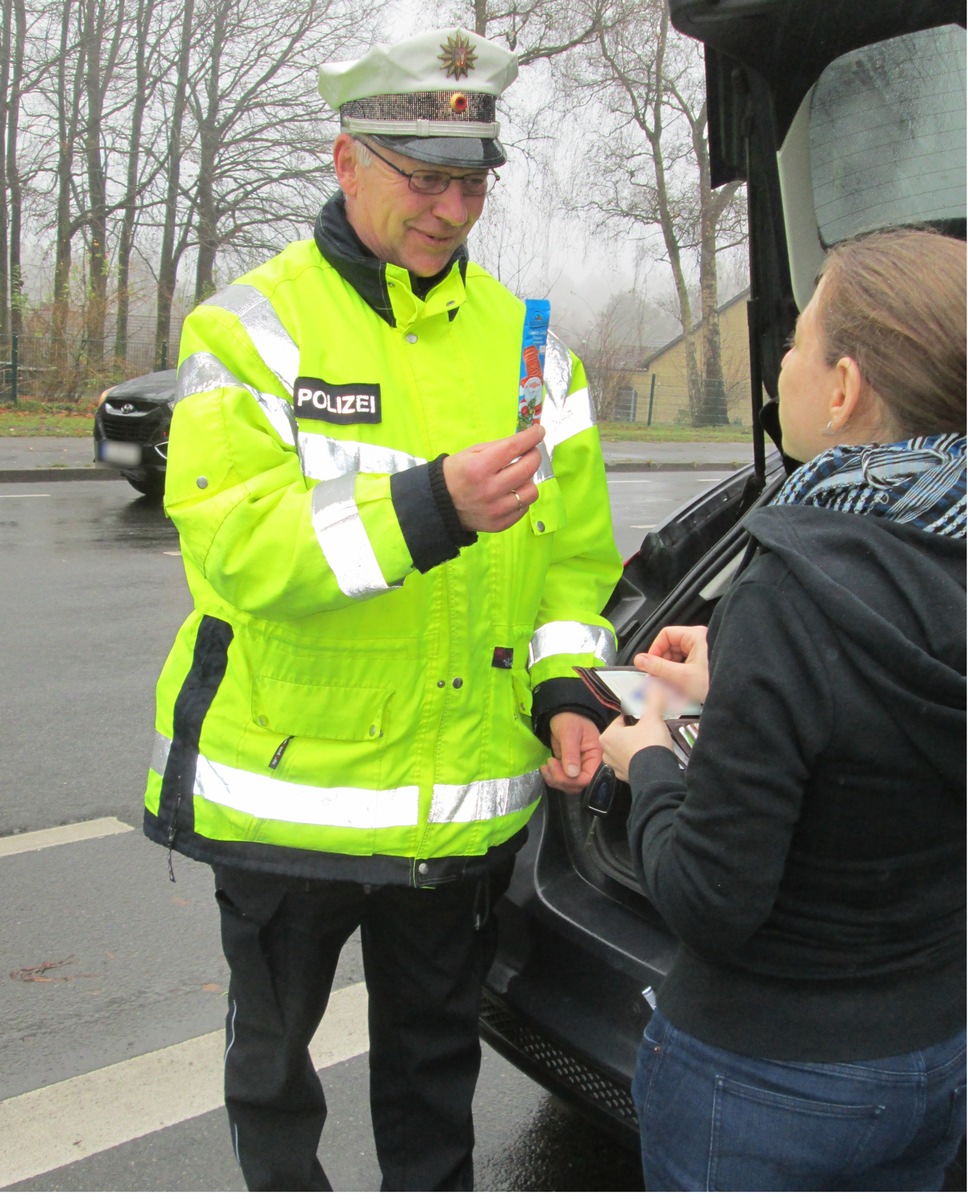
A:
[620,742]
[679,657]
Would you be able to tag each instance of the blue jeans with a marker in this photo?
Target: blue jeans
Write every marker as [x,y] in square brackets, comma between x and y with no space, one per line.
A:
[711,1120]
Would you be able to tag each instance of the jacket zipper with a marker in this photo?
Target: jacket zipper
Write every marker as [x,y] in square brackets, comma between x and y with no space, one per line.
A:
[280,751]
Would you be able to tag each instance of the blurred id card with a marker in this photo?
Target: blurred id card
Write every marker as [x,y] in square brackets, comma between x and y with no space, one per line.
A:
[625,689]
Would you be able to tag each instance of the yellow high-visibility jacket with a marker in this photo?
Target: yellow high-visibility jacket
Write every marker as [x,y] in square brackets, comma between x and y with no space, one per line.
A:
[352,695]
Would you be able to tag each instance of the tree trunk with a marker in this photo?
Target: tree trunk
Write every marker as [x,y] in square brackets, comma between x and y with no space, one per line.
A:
[712,408]
[205,209]
[100,61]
[68,107]
[168,259]
[8,105]
[129,216]
[14,190]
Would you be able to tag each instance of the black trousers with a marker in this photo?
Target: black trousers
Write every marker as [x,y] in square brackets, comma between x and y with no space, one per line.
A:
[425,954]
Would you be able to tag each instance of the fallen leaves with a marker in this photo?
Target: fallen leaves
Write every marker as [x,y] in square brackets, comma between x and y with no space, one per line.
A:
[39,974]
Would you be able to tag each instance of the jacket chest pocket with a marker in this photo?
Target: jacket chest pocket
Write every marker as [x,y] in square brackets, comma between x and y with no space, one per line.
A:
[322,734]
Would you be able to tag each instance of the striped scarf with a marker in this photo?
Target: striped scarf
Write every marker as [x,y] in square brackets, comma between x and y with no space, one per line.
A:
[920,482]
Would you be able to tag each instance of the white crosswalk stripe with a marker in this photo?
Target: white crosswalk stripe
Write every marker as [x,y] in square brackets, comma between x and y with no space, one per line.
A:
[68,1121]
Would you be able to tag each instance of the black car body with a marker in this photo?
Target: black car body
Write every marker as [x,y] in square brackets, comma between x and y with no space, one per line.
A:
[801,107]
[131,429]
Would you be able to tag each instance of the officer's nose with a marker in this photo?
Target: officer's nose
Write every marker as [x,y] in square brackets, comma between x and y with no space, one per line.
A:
[451,205]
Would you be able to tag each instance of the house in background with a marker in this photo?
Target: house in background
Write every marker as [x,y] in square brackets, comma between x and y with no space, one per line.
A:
[657,392]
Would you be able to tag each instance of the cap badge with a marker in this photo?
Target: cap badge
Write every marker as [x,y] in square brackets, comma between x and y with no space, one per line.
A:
[458,56]
[458,102]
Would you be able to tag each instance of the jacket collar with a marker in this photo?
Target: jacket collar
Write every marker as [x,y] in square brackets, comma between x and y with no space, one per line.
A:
[363,271]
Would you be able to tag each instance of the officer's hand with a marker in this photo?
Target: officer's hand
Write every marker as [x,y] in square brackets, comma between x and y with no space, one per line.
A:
[491,484]
[575,752]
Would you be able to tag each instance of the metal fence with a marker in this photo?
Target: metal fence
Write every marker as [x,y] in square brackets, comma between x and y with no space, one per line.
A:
[29,371]
[663,403]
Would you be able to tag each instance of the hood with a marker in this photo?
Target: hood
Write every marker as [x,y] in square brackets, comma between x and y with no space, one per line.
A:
[895,597]
[157,387]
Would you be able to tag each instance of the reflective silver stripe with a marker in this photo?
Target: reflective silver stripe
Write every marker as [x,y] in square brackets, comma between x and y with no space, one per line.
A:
[266,332]
[340,533]
[578,416]
[571,637]
[422,127]
[352,808]
[465,802]
[302,804]
[159,754]
[564,415]
[557,372]
[202,372]
[545,469]
[327,458]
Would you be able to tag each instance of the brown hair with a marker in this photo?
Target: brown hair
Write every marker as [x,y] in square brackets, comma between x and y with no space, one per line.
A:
[894,302]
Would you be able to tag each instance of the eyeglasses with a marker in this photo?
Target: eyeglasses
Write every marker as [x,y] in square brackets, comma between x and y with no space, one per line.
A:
[435,183]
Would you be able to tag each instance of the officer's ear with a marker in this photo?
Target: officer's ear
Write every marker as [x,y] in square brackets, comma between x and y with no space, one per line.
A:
[346,163]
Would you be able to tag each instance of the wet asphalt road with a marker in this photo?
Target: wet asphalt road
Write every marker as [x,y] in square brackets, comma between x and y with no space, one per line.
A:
[112,984]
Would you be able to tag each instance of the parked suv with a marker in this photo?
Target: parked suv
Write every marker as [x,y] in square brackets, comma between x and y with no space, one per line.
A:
[131,430]
[842,118]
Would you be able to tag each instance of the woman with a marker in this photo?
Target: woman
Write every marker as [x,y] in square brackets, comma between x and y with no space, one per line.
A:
[811,859]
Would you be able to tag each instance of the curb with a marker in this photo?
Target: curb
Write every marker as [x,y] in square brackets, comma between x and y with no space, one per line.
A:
[674,466]
[56,474]
[75,474]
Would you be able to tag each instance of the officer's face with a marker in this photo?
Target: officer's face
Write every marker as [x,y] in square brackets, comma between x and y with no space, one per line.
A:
[399,225]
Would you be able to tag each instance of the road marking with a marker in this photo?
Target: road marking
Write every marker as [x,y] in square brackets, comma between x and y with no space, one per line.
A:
[25,495]
[641,527]
[69,1121]
[61,835]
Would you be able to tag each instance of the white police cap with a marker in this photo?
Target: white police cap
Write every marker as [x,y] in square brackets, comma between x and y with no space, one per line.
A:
[431,97]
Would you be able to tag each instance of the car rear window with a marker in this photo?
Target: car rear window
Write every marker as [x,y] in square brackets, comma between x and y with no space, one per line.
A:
[887,135]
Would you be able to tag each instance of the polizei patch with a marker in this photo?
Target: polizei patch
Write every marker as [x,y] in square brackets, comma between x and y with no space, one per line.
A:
[341,403]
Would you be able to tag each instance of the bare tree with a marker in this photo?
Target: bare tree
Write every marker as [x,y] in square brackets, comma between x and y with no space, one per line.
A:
[653,172]
[161,129]
[262,133]
[612,352]
[146,53]
[8,109]
[102,26]
[67,97]
[174,236]
[537,29]
[13,176]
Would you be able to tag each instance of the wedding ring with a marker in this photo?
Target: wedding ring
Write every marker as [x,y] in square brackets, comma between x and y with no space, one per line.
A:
[518,498]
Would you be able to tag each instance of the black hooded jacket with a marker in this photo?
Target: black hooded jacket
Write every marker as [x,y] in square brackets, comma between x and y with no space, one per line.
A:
[812,858]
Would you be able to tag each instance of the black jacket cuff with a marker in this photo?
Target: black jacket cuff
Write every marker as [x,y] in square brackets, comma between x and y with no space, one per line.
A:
[428,519]
[565,695]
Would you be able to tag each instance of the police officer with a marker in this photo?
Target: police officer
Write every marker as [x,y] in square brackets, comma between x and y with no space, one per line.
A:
[392,586]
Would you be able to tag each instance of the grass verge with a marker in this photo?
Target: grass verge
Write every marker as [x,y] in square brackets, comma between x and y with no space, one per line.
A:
[615,431]
[35,418]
